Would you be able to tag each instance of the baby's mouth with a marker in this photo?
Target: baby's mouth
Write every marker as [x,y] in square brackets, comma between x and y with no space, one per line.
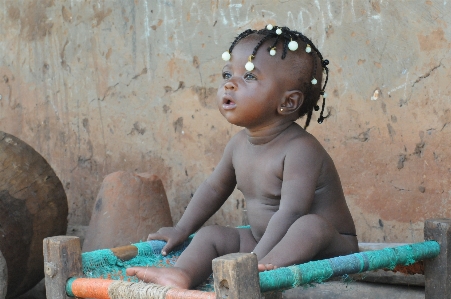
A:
[228,104]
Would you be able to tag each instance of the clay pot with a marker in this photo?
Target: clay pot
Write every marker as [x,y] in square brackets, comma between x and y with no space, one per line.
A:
[128,208]
[33,206]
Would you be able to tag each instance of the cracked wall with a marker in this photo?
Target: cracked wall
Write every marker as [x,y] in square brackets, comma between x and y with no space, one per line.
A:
[101,86]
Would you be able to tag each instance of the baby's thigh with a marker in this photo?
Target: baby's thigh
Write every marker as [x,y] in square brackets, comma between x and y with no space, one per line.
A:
[319,238]
[223,239]
[310,230]
[308,238]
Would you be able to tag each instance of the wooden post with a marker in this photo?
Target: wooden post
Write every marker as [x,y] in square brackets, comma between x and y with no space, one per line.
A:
[236,276]
[3,276]
[437,271]
[62,260]
[244,219]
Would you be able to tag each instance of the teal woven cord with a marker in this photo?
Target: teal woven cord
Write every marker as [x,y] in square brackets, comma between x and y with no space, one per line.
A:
[319,271]
[69,283]
[401,255]
[294,276]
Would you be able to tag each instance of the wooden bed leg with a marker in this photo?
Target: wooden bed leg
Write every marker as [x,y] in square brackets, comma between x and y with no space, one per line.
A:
[3,276]
[236,276]
[62,260]
[437,271]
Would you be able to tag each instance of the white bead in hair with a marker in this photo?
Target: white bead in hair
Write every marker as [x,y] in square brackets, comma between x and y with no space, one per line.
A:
[293,45]
[249,66]
[226,56]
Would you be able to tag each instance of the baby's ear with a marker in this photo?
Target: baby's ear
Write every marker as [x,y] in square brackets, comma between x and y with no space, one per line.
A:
[291,102]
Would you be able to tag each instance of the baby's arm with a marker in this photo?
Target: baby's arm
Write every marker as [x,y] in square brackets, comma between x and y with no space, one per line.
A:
[207,199]
[302,167]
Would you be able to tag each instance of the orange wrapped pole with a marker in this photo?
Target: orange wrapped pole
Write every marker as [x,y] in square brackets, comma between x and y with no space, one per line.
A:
[88,288]
[98,288]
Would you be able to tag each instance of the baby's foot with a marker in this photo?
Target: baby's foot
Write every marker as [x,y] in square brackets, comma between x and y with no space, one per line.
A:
[173,277]
[266,267]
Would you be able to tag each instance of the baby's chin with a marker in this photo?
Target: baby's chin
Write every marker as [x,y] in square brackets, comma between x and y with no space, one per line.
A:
[232,120]
[235,122]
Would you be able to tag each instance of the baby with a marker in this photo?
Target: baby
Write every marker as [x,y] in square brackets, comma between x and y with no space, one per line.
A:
[295,204]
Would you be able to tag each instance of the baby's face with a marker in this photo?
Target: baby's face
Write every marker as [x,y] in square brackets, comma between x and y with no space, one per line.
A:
[251,98]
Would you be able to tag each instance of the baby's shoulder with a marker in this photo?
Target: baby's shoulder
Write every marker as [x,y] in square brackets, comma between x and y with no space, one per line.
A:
[234,143]
[297,138]
[302,148]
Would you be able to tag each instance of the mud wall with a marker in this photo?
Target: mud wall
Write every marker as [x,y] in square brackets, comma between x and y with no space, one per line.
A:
[101,86]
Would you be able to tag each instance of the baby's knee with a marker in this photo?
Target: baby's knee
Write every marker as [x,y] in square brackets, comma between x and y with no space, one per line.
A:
[218,236]
[208,231]
[212,233]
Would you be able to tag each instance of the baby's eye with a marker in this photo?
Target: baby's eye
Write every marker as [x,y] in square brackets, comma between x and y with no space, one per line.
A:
[249,76]
[226,75]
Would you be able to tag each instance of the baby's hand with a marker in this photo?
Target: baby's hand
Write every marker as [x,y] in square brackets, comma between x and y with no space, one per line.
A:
[173,236]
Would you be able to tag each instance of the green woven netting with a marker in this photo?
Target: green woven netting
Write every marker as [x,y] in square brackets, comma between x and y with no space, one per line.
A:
[103,263]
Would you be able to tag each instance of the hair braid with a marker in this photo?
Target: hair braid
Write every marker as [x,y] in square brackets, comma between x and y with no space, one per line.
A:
[309,117]
[265,38]
[274,44]
[240,37]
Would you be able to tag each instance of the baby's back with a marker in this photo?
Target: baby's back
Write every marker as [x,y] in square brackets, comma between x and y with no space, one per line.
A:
[292,171]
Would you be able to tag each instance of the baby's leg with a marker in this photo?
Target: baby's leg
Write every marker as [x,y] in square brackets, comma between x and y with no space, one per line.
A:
[311,237]
[195,263]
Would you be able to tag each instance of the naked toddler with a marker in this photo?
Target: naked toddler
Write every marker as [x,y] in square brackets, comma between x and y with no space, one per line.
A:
[295,203]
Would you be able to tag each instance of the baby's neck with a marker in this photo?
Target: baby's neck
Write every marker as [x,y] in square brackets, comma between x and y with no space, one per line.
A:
[265,135]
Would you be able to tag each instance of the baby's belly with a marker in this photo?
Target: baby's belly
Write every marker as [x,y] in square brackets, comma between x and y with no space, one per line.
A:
[258,215]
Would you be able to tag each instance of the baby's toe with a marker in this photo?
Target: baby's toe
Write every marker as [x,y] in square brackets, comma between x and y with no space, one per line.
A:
[266,267]
[270,267]
[131,271]
[261,267]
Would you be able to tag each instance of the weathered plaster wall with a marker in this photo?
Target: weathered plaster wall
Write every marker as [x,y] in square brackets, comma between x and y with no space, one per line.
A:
[101,86]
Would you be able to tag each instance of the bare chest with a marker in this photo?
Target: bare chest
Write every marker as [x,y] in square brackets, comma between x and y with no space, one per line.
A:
[259,172]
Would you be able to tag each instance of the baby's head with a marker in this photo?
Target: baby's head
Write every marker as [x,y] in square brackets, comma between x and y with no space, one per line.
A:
[296,56]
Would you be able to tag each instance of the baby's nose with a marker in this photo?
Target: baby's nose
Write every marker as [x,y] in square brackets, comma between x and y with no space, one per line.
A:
[229,85]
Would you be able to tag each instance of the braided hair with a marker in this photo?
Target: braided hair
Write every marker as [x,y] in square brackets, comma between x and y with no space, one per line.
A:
[286,36]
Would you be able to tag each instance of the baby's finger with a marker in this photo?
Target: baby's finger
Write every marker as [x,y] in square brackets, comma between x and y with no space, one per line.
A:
[167,248]
[156,236]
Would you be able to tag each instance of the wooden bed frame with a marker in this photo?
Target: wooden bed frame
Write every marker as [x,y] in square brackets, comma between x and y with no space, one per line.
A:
[236,275]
